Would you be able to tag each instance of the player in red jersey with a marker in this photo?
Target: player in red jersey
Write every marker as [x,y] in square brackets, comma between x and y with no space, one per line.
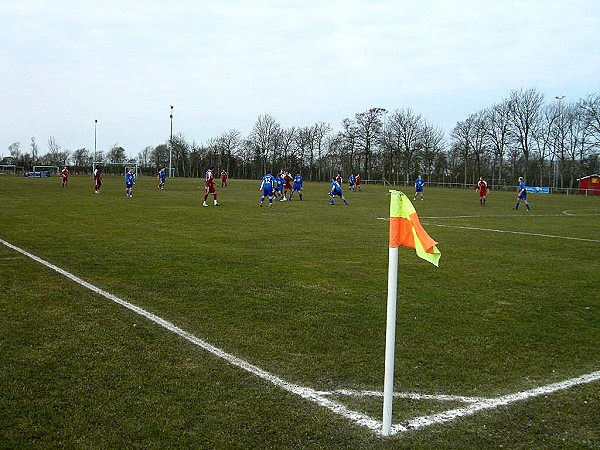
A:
[223,178]
[482,187]
[338,178]
[357,181]
[65,176]
[209,186]
[97,180]
[287,184]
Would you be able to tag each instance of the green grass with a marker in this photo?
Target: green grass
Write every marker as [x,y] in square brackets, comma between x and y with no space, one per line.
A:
[298,290]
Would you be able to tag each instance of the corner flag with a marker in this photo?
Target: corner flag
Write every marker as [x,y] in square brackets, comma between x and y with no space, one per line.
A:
[405,231]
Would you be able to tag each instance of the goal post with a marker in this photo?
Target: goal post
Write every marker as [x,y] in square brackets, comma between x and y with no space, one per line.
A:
[8,169]
[116,166]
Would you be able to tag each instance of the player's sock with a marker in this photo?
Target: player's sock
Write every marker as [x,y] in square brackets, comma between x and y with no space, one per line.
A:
[345,202]
[527,206]
[517,205]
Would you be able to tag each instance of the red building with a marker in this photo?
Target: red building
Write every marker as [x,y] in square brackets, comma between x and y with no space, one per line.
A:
[590,185]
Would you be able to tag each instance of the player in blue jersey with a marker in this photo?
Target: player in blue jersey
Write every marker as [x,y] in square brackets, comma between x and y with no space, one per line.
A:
[267,185]
[522,194]
[129,182]
[162,178]
[297,187]
[419,185]
[336,191]
[278,186]
[351,182]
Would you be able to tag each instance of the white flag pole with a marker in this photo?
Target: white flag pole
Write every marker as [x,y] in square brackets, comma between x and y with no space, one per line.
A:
[390,341]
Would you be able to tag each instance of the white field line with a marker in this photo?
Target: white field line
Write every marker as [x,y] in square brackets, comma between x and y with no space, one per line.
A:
[452,414]
[306,393]
[524,233]
[406,395]
[320,397]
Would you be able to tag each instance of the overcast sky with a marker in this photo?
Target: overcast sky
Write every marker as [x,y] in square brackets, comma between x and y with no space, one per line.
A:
[221,64]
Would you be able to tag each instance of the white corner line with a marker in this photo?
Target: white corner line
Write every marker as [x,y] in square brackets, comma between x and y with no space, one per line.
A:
[320,397]
[304,392]
[452,414]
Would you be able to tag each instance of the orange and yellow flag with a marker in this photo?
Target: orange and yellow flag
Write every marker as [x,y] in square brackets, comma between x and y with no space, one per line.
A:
[406,229]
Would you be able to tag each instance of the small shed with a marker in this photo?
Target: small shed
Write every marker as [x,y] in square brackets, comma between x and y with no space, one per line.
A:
[589,185]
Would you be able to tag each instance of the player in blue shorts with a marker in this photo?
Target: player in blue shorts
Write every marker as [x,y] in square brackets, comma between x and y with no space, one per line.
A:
[129,182]
[278,186]
[419,185]
[162,178]
[298,179]
[522,194]
[351,182]
[336,190]
[266,185]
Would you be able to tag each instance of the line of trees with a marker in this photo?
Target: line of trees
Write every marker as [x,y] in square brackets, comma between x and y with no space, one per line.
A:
[549,143]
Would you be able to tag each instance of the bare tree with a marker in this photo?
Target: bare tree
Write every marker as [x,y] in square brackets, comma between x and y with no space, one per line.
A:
[143,156]
[432,145]
[524,113]
[81,159]
[369,127]
[262,137]
[320,131]
[15,151]
[305,146]
[463,142]
[591,110]
[497,133]
[405,134]
[55,156]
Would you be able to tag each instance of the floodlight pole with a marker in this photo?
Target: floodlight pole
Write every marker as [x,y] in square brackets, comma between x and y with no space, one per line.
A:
[95,140]
[171,146]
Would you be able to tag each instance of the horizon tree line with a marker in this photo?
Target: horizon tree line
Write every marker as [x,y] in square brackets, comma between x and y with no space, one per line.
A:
[548,143]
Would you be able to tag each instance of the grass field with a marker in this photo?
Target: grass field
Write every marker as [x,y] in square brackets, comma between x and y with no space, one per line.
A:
[298,290]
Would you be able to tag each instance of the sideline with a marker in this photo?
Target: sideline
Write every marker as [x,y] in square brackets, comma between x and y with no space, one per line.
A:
[320,397]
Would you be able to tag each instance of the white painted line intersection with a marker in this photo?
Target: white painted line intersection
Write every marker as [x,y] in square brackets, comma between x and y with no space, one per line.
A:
[476,404]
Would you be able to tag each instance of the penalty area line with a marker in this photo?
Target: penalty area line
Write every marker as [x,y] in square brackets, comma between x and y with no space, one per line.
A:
[304,392]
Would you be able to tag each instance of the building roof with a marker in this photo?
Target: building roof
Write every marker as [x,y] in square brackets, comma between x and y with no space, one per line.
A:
[589,176]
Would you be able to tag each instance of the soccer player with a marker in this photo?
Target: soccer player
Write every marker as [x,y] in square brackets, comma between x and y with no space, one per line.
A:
[482,187]
[351,182]
[65,176]
[162,178]
[338,178]
[357,181]
[286,178]
[129,182]
[278,186]
[298,179]
[266,185]
[223,178]
[522,194]
[209,186]
[97,180]
[419,185]
[336,190]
